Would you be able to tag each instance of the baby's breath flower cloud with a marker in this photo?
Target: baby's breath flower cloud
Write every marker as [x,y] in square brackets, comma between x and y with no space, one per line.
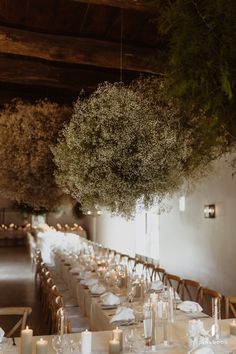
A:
[27,168]
[129,143]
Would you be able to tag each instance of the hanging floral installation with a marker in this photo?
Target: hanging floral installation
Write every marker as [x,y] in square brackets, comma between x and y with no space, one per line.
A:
[129,145]
[27,167]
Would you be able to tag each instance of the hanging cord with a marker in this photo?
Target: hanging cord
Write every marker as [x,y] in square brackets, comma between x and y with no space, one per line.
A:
[121,44]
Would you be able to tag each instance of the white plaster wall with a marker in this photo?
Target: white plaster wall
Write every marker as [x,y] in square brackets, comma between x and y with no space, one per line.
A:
[116,233]
[190,245]
[198,248]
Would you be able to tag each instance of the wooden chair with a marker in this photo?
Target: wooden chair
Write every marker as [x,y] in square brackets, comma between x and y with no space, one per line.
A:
[124,258]
[158,274]
[111,253]
[206,297]
[173,281]
[190,290]
[118,257]
[131,265]
[148,269]
[230,307]
[139,267]
[75,322]
[23,312]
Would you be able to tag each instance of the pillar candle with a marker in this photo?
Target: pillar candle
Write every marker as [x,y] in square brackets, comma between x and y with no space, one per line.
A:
[137,290]
[118,335]
[26,341]
[160,309]
[126,276]
[86,342]
[114,346]
[62,323]
[171,304]
[232,327]
[142,290]
[153,317]
[41,346]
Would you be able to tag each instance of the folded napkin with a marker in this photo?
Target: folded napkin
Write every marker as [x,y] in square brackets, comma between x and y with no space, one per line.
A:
[123,314]
[77,269]
[97,289]
[89,282]
[110,299]
[1,334]
[189,306]
[157,285]
[86,275]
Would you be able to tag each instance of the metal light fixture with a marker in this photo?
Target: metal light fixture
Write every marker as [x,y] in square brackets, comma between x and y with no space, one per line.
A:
[209,211]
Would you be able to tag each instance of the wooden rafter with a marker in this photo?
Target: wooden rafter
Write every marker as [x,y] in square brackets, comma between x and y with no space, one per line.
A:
[74,50]
[140,5]
[25,72]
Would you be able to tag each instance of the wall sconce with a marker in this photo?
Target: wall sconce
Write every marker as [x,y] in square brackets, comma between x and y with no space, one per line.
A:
[182,206]
[210,211]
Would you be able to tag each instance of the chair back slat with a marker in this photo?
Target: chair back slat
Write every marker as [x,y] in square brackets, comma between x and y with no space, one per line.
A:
[173,281]
[190,290]
[206,297]
[16,311]
[158,274]
[230,306]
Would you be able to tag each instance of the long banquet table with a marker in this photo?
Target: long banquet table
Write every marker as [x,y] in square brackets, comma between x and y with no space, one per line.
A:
[91,306]
[226,345]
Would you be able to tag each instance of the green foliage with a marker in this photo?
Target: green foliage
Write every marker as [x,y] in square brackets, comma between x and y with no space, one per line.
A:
[202,56]
[129,145]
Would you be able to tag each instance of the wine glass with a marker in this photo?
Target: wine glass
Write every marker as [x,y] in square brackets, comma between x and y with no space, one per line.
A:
[192,333]
[130,339]
[116,284]
[73,347]
[6,346]
[57,344]
[131,293]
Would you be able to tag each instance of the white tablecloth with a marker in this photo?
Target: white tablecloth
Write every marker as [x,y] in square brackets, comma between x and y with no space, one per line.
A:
[100,341]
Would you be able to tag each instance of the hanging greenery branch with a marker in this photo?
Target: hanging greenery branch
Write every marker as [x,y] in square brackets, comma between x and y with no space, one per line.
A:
[128,144]
[202,56]
[27,168]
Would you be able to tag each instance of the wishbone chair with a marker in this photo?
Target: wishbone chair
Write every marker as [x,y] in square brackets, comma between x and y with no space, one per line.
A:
[23,312]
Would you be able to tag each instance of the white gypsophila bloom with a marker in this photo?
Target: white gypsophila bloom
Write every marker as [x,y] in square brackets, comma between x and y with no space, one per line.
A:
[127,144]
[27,167]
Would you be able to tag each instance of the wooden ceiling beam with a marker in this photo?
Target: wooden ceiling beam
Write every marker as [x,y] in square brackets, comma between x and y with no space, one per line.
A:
[32,92]
[74,50]
[27,72]
[139,5]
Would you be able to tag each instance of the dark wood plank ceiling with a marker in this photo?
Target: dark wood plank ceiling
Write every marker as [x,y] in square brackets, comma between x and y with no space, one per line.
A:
[56,48]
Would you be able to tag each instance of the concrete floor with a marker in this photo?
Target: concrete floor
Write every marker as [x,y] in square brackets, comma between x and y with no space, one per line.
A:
[17,287]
